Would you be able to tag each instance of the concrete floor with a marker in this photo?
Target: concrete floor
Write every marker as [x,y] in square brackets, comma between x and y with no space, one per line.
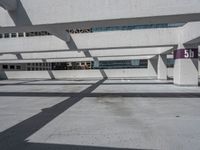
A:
[99,115]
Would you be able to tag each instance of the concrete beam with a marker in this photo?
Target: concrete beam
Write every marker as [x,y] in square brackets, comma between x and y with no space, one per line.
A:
[190,34]
[94,41]
[100,53]
[60,33]
[9,5]
[77,59]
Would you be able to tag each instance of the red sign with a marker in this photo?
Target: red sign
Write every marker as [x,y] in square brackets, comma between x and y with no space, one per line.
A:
[186,53]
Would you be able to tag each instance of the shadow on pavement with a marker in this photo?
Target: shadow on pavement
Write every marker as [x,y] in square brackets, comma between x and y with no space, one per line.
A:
[15,137]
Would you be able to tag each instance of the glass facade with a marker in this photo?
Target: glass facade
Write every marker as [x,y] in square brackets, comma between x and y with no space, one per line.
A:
[134,27]
[122,64]
[170,62]
[91,30]
[118,64]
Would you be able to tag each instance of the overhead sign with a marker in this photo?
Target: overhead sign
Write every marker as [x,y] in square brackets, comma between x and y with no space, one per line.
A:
[186,53]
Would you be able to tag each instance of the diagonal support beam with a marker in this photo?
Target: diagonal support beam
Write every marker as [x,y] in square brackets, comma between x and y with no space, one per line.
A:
[9,5]
[60,33]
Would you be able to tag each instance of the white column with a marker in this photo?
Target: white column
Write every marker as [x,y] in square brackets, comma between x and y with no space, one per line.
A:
[186,66]
[162,67]
[152,66]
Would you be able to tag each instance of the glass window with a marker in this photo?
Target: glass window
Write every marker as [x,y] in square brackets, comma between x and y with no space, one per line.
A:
[170,63]
[6,35]
[20,34]
[27,34]
[5,66]
[36,33]
[12,67]
[48,33]
[44,33]
[13,35]
[32,33]
[1,36]
[135,62]
[18,67]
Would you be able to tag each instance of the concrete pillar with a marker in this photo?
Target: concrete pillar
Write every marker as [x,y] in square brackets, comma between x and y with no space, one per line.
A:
[152,66]
[199,67]
[162,67]
[186,66]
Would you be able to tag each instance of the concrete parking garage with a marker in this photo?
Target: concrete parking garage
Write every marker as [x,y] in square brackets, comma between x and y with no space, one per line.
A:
[99,74]
[98,114]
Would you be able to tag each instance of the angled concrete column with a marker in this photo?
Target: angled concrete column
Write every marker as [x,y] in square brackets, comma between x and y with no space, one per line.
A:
[162,67]
[152,66]
[186,66]
[9,5]
[60,33]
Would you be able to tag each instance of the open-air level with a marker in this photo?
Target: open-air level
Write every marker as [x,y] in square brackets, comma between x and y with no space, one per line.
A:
[99,74]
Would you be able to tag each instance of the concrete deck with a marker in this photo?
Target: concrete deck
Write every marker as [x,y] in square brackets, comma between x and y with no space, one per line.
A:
[99,115]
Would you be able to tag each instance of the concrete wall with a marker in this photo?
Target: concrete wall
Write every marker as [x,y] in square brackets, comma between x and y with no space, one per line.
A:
[170,72]
[24,75]
[110,73]
[98,40]
[77,74]
[190,33]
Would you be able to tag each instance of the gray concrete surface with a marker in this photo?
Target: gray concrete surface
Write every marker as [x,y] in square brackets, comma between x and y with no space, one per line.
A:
[35,12]
[98,114]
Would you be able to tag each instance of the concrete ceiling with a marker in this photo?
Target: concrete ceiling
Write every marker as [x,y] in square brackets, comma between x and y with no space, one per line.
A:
[98,12]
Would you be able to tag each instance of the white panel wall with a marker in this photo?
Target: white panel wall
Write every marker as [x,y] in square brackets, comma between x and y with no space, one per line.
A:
[77,74]
[130,73]
[106,40]
[25,75]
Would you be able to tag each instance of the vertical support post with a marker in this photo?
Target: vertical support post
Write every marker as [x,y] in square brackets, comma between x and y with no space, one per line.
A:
[186,66]
[152,66]
[162,67]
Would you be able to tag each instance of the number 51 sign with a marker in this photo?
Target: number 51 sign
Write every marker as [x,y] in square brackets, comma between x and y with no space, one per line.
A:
[186,54]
